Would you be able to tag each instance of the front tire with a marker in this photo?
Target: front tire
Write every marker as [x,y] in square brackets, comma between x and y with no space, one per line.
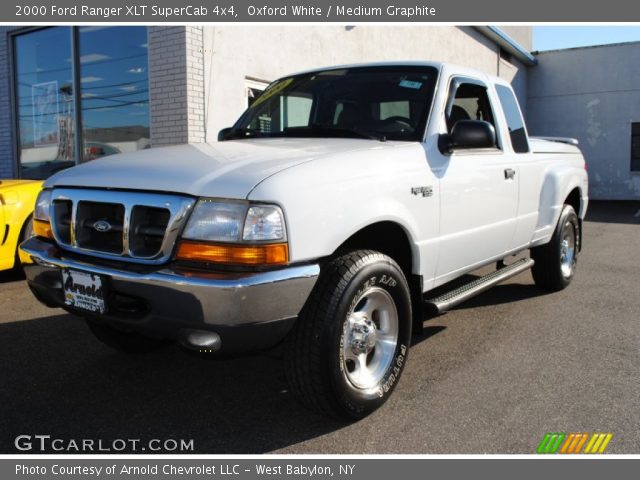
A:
[350,344]
[127,342]
[555,262]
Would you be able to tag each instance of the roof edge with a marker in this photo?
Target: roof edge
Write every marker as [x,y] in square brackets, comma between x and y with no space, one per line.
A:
[630,43]
[503,40]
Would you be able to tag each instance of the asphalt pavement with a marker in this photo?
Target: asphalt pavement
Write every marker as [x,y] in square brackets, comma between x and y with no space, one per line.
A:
[491,376]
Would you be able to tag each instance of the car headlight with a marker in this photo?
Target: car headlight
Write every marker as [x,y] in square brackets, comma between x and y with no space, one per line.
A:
[235,232]
[216,221]
[43,205]
[41,215]
[263,223]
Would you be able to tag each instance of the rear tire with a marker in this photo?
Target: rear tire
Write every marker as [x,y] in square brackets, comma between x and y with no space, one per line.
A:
[555,262]
[350,344]
[127,342]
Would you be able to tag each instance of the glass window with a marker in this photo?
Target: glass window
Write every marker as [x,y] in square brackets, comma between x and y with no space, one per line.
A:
[471,102]
[394,109]
[45,108]
[296,111]
[635,147]
[114,95]
[114,87]
[361,102]
[517,130]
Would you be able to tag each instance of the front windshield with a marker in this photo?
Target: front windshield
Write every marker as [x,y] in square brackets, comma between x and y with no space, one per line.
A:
[362,102]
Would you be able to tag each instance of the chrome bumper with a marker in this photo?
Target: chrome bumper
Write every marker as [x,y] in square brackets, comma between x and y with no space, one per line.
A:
[165,300]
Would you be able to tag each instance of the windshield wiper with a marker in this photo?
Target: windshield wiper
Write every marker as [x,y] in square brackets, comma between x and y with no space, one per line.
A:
[349,131]
[319,129]
[313,129]
[238,133]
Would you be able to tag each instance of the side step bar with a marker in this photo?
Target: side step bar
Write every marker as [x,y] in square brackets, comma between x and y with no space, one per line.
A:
[450,299]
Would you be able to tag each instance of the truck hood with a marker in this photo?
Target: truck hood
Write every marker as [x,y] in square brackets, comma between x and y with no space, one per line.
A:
[223,169]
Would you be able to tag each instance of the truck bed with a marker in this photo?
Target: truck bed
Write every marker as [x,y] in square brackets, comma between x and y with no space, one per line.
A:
[553,145]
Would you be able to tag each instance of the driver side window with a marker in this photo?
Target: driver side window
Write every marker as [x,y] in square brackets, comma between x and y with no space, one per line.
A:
[470,102]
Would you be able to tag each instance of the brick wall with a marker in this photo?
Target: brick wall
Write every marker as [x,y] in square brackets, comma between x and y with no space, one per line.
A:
[176,85]
[195,84]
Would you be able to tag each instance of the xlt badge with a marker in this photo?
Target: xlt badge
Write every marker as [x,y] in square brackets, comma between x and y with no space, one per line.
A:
[424,191]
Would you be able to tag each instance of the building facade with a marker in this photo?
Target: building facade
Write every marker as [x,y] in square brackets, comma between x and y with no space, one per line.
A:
[592,94]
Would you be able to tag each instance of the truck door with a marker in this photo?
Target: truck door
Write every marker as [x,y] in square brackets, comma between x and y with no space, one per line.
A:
[529,172]
[478,188]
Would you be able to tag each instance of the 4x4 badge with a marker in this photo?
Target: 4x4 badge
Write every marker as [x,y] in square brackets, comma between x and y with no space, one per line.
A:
[424,191]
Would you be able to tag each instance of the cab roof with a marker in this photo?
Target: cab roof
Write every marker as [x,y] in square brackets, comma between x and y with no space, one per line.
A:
[445,68]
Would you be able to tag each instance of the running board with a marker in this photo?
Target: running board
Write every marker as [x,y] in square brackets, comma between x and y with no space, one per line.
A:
[450,299]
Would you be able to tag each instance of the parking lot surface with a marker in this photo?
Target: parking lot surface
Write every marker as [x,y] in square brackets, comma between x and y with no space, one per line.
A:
[492,376]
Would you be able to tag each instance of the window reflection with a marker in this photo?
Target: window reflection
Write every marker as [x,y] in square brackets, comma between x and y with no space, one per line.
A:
[114,90]
[114,95]
[44,101]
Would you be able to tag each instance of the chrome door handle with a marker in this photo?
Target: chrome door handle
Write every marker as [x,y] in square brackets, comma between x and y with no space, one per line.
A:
[509,173]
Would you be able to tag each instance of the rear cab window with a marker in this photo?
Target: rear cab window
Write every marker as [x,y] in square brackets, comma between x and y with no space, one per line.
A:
[515,122]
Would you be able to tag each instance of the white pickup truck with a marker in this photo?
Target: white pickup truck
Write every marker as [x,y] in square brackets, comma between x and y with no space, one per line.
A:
[323,217]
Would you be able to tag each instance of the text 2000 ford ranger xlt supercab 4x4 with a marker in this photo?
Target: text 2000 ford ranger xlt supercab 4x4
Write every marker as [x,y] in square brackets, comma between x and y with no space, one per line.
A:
[323,217]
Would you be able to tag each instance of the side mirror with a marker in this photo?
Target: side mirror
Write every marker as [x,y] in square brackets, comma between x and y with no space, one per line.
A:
[469,134]
[223,133]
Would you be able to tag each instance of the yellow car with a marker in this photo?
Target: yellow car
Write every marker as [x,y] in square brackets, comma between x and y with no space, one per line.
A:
[17,199]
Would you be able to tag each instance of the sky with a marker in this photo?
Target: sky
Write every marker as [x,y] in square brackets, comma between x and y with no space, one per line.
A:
[553,37]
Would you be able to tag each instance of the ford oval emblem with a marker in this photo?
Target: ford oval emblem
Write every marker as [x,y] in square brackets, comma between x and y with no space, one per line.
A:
[102,226]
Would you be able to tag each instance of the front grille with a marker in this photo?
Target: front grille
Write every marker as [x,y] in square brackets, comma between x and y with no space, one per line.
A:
[99,226]
[61,219]
[138,227]
[148,227]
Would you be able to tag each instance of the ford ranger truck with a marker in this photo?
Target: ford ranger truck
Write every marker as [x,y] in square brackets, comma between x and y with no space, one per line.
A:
[322,219]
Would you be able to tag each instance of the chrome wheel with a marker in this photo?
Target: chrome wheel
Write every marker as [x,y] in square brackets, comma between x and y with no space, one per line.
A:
[370,338]
[567,249]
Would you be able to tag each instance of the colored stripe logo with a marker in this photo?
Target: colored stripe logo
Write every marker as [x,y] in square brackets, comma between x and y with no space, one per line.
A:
[592,443]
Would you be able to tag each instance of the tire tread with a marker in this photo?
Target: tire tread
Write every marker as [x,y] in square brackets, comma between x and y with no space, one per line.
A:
[546,269]
[303,354]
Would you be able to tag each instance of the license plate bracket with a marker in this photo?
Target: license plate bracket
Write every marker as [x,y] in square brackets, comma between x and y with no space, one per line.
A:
[84,291]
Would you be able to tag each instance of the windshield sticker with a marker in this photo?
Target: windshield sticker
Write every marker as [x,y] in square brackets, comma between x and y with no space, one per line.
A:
[410,84]
[270,92]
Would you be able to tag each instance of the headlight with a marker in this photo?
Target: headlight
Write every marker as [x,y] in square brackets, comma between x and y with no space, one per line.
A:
[263,223]
[216,221]
[41,215]
[235,233]
[235,222]
[43,204]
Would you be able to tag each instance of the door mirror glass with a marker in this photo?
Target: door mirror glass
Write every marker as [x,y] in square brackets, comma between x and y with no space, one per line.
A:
[468,134]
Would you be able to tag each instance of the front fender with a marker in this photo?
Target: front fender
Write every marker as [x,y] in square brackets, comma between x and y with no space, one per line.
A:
[326,201]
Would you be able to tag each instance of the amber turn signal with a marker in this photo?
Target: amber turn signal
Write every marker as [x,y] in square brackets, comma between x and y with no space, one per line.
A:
[273,254]
[42,229]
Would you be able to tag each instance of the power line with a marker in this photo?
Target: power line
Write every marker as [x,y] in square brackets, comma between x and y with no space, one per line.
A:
[90,64]
[103,107]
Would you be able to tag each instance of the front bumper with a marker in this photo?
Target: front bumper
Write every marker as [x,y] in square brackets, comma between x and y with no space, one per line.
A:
[248,310]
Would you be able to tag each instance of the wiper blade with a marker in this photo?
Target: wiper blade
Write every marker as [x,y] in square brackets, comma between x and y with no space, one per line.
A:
[243,133]
[349,131]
